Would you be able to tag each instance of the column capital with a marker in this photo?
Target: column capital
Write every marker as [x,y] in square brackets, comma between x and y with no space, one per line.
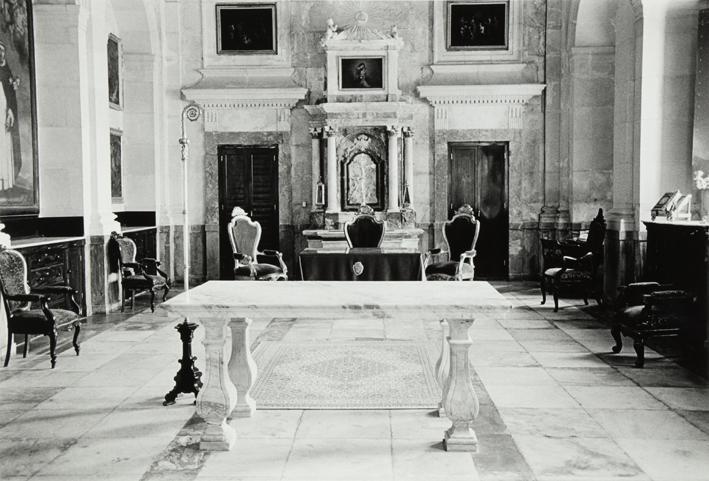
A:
[407,131]
[329,131]
[393,130]
[315,132]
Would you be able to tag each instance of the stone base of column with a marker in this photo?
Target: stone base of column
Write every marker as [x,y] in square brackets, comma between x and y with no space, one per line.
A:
[317,219]
[217,437]
[461,437]
[394,220]
[408,217]
[332,221]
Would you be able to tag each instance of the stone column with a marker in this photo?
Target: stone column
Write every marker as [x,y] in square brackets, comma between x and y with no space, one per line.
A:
[393,205]
[315,161]
[333,201]
[409,162]
[459,399]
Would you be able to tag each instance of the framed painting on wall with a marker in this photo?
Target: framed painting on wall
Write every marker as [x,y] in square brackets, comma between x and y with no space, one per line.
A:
[114,72]
[246,29]
[361,73]
[18,139]
[477,25]
[116,167]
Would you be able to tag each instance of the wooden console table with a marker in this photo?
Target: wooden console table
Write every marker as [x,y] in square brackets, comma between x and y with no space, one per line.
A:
[222,305]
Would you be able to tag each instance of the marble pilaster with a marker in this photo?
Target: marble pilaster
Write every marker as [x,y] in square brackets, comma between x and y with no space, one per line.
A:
[333,202]
[393,191]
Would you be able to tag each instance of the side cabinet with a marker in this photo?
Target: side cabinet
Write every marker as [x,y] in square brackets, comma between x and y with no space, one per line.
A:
[57,263]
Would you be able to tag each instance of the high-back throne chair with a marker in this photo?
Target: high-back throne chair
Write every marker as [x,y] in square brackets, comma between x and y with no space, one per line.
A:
[572,268]
[137,276]
[250,263]
[460,234]
[23,318]
[365,230]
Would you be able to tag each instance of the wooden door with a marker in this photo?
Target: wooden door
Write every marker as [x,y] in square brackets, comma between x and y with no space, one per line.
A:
[478,176]
[248,178]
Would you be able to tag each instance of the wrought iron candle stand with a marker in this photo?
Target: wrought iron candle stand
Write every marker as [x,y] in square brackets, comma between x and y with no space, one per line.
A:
[188,377]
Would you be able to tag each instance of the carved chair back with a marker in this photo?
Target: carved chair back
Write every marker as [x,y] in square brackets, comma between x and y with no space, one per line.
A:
[244,235]
[13,278]
[364,231]
[461,234]
[123,252]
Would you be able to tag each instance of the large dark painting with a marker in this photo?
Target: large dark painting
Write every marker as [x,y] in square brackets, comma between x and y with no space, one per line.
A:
[114,71]
[361,73]
[246,29]
[116,176]
[477,25]
[18,138]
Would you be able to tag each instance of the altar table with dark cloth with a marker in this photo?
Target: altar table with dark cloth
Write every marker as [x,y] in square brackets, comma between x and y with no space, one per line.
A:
[223,308]
[361,264]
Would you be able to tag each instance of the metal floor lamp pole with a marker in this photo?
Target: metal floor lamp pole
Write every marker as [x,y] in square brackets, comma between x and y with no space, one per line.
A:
[191,112]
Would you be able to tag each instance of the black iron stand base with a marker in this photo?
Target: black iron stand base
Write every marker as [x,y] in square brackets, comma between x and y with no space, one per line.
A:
[188,377]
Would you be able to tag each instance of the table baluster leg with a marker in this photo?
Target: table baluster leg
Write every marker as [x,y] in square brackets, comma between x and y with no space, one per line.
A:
[460,401]
[242,368]
[216,399]
[443,364]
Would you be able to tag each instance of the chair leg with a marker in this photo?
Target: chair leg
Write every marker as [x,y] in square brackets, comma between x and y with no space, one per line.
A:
[9,348]
[165,291]
[26,346]
[152,300]
[639,346]
[544,291]
[75,341]
[52,347]
[123,299]
[615,332]
[132,300]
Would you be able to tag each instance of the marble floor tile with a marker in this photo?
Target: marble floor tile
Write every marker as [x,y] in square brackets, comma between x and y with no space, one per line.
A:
[515,376]
[669,376]
[549,396]
[525,324]
[268,424]
[22,398]
[555,423]
[339,459]
[490,357]
[595,376]
[103,457]
[523,312]
[361,424]
[568,359]
[549,335]
[136,421]
[574,458]
[669,460]
[52,424]
[89,398]
[347,334]
[6,417]
[416,459]
[357,323]
[28,456]
[499,459]
[488,346]
[589,323]
[490,334]
[418,425]
[646,424]
[250,457]
[614,397]
[688,398]
[553,346]
[307,335]
[700,419]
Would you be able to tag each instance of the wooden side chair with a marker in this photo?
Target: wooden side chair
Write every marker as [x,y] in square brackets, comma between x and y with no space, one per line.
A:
[365,230]
[250,263]
[23,318]
[460,234]
[571,268]
[137,276]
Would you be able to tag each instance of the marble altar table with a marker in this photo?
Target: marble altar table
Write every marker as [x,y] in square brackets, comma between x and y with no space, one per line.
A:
[361,264]
[222,305]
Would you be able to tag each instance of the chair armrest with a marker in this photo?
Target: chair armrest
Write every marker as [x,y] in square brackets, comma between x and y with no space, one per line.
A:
[60,289]
[242,257]
[437,251]
[150,260]
[273,254]
[132,265]
[26,297]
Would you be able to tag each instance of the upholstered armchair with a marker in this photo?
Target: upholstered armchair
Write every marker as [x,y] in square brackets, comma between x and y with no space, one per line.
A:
[460,234]
[649,309]
[365,230]
[137,276]
[250,263]
[572,268]
[23,318]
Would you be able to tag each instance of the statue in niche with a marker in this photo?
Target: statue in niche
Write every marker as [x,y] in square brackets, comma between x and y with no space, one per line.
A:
[362,175]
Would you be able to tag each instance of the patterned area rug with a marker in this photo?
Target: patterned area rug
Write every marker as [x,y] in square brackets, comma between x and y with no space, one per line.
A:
[344,375]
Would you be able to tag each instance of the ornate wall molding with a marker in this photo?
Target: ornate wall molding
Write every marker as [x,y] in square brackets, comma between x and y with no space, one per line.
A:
[480,94]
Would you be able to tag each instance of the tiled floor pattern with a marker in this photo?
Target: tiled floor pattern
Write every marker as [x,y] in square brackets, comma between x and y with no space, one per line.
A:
[554,406]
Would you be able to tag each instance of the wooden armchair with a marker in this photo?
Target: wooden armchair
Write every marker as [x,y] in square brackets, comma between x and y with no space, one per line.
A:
[649,309]
[22,318]
[572,268]
[460,234]
[250,263]
[365,230]
[137,276]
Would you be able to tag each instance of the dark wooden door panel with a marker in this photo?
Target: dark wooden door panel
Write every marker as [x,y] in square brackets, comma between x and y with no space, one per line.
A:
[478,176]
[248,178]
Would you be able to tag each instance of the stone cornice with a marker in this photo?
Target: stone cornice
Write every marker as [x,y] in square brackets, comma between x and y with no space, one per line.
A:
[233,98]
[480,94]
